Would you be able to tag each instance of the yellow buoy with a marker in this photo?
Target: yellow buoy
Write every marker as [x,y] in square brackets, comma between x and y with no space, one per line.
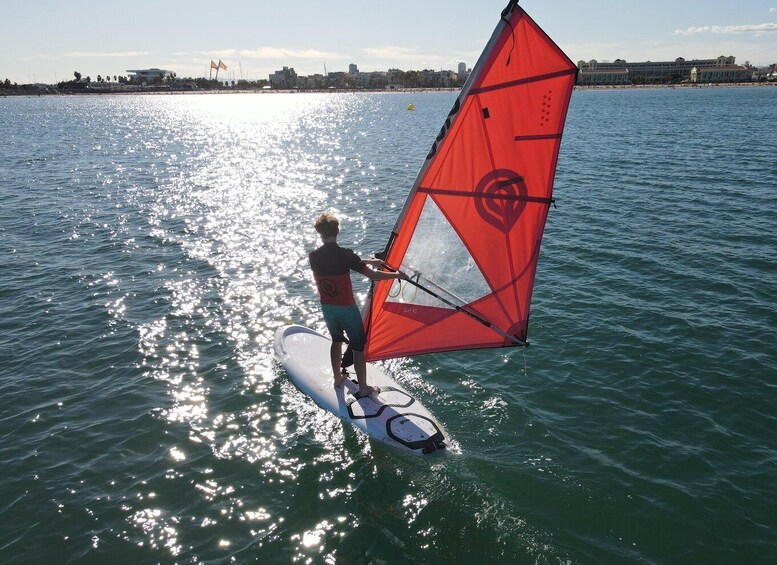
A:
[411,107]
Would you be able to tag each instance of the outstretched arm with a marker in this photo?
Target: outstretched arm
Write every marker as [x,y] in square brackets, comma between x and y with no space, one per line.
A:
[374,275]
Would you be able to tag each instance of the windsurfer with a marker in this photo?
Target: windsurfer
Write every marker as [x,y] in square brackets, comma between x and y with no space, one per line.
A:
[331,265]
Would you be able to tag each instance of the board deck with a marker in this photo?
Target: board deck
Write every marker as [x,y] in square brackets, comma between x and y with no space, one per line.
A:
[394,416]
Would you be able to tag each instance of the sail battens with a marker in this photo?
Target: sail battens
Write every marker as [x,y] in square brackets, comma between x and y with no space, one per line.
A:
[473,222]
[487,196]
[522,81]
[537,137]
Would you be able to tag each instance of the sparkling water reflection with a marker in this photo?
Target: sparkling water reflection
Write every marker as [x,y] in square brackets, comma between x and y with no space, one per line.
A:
[268,165]
[153,244]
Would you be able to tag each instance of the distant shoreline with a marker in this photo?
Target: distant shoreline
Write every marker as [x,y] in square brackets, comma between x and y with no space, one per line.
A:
[29,93]
[219,91]
[683,85]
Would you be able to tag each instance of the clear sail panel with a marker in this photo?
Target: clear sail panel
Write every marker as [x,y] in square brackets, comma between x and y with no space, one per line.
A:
[439,261]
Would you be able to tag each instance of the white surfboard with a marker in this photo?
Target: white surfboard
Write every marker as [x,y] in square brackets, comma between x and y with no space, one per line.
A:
[393,416]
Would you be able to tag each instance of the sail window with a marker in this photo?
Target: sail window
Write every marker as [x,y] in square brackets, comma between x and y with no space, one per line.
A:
[439,258]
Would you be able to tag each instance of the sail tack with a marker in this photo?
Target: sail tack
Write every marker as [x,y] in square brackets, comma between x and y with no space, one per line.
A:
[471,228]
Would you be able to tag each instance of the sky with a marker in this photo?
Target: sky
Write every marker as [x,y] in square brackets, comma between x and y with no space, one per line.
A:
[47,40]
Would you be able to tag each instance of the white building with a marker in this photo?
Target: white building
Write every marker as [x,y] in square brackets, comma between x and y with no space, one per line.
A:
[147,75]
[647,72]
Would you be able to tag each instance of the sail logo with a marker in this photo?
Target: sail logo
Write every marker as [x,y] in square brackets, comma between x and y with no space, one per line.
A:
[500,198]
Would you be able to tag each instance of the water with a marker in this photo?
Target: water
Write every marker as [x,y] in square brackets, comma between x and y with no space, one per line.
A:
[151,245]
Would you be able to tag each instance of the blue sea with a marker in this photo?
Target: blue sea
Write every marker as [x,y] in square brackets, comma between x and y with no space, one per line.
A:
[151,245]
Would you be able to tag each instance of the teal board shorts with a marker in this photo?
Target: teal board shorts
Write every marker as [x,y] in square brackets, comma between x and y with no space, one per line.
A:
[346,319]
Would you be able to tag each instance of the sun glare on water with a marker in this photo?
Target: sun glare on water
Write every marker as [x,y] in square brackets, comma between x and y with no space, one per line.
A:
[235,184]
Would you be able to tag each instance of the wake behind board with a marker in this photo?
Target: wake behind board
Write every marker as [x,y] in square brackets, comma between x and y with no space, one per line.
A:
[393,416]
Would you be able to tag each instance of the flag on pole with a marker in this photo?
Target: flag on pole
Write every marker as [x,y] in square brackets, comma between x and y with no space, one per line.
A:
[222,65]
[213,65]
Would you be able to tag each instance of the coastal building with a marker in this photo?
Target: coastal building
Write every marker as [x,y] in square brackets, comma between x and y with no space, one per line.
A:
[605,76]
[374,79]
[447,78]
[312,82]
[285,78]
[649,72]
[149,75]
[437,79]
[731,73]
[337,79]
[462,71]
[395,77]
[392,79]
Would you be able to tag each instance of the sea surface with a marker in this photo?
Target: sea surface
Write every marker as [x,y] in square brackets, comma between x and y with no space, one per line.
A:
[151,245]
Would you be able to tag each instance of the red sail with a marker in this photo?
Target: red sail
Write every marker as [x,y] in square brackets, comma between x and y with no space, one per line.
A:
[471,228]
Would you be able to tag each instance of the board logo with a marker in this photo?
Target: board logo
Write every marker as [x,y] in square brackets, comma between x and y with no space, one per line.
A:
[500,198]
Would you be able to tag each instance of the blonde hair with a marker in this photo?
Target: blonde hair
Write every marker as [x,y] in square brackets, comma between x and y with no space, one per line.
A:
[327,224]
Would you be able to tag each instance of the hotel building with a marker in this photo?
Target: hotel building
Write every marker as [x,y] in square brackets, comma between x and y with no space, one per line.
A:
[619,72]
